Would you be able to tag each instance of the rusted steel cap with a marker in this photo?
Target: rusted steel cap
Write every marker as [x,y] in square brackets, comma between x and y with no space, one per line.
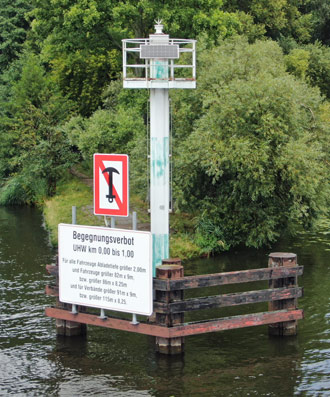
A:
[170,268]
[285,255]
[277,259]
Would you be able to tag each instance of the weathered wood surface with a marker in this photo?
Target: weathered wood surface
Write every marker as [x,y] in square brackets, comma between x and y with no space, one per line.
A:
[226,323]
[284,260]
[211,280]
[233,299]
[170,305]
[170,269]
[51,290]
[243,276]
[222,324]
[52,270]
[109,322]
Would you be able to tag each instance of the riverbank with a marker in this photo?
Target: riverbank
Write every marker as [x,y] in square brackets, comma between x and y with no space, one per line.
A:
[76,189]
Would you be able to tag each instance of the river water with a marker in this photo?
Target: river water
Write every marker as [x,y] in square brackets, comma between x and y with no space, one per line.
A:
[246,362]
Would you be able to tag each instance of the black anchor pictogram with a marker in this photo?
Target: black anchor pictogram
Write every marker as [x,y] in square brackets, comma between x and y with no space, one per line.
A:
[110,170]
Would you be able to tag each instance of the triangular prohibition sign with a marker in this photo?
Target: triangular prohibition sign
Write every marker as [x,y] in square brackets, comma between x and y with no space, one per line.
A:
[122,204]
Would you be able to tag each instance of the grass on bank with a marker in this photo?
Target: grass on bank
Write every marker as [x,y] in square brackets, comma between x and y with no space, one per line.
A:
[58,209]
[73,191]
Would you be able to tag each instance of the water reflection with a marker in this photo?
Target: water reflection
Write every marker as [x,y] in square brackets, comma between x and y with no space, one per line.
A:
[33,361]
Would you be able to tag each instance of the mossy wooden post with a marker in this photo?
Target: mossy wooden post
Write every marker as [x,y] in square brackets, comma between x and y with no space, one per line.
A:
[170,269]
[278,259]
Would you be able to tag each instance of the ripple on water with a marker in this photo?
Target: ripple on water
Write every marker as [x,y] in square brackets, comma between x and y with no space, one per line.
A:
[23,369]
[236,363]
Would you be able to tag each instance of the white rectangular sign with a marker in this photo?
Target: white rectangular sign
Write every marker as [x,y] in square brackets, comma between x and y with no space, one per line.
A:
[105,268]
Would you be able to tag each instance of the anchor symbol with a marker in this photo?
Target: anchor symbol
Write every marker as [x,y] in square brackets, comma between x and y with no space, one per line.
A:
[110,170]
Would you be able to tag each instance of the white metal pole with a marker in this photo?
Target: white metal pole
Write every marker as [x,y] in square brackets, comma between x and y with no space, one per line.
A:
[74,309]
[159,174]
[134,227]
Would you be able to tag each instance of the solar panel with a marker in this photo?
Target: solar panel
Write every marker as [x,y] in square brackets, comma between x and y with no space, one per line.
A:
[164,51]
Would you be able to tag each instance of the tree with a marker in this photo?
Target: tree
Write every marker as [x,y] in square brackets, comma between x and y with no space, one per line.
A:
[105,131]
[40,151]
[288,18]
[255,163]
[320,11]
[297,62]
[318,71]
[184,19]
[80,40]
[13,30]
[311,63]
[75,40]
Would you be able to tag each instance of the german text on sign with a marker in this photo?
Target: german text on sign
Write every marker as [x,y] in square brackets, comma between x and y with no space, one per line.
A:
[105,268]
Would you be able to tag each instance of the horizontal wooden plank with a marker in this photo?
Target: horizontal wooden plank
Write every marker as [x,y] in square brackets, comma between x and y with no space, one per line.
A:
[209,280]
[233,299]
[242,276]
[226,323]
[109,322]
[51,290]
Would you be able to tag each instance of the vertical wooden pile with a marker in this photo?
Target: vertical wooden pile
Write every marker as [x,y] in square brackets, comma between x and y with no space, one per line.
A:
[283,259]
[170,269]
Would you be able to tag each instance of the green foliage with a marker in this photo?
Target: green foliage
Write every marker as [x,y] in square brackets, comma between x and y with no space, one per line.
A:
[209,236]
[75,39]
[186,19]
[183,246]
[319,67]
[104,132]
[36,149]
[120,128]
[81,40]
[115,96]
[13,192]
[254,164]
[13,30]
[289,18]
[58,208]
[320,11]
[297,62]
[311,63]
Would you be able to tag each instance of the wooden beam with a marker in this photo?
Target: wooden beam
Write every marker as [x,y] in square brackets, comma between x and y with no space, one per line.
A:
[248,320]
[234,299]
[209,280]
[109,322]
[51,290]
[243,276]
[226,323]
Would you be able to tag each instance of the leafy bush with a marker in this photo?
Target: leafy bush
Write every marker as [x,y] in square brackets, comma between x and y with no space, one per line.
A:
[22,189]
[209,236]
[255,162]
[13,193]
[34,150]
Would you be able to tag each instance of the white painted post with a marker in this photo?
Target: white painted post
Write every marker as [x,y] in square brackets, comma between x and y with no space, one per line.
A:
[159,154]
[134,227]
[159,174]
[74,222]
